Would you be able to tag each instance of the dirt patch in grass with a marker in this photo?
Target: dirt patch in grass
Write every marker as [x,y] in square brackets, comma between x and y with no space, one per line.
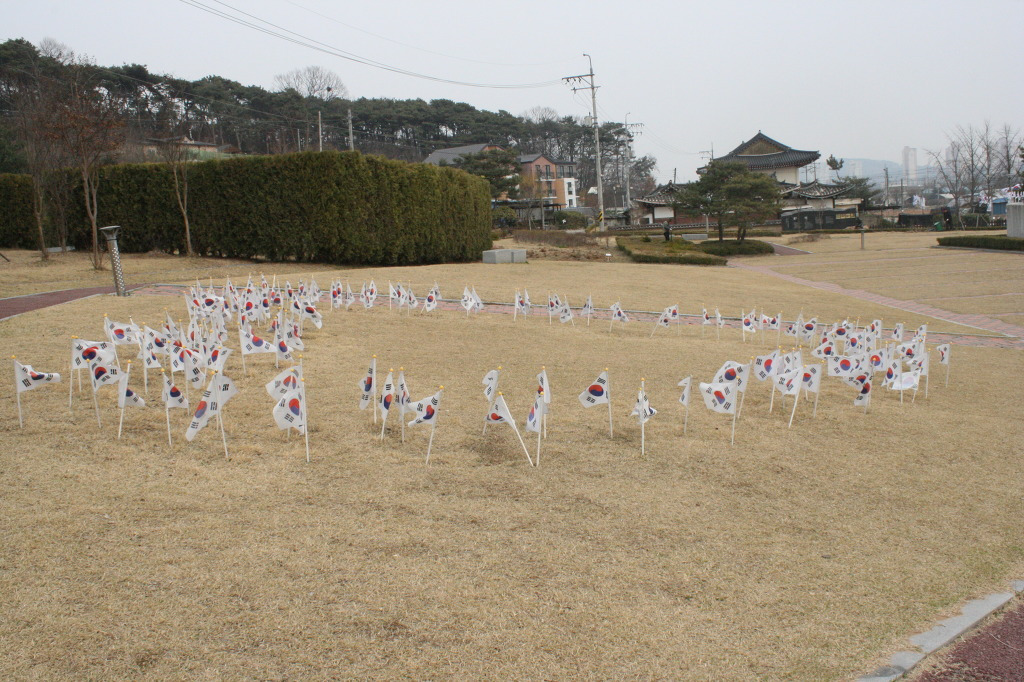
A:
[801,553]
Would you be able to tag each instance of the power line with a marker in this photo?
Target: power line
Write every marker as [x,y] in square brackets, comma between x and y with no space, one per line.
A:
[313,44]
[415,47]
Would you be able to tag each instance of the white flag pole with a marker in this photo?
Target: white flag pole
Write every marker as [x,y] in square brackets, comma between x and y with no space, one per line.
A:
[796,399]
[588,309]
[643,422]
[816,394]
[305,416]
[947,373]
[96,405]
[220,420]
[401,407]
[732,439]
[71,376]
[515,306]
[433,425]
[608,390]
[17,393]
[384,415]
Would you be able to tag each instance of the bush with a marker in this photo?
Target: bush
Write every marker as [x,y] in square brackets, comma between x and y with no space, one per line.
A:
[573,220]
[17,224]
[554,238]
[324,207]
[503,217]
[1000,242]
[684,258]
[730,247]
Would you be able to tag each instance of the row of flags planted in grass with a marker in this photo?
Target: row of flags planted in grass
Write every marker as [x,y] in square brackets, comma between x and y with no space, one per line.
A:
[198,350]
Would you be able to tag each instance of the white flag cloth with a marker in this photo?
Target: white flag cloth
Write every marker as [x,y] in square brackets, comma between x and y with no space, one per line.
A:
[597,392]
[499,413]
[478,303]
[402,394]
[411,301]
[544,386]
[642,410]
[430,302]
[467,301]
[618,313]
[286,381]
[772,322]
[735,373]
[792,359]
[533,417]
[893,370]
[879,359]
[209,405]
[810,378]
[825,350]
[83,352]
[897,332]
[155,341]
[808,328]
[217,357]
[172,395]
[719,396]
[906,381]
[250,343]
[120,333]
[922,363]
[426,409]
[565,313]
[520,304]
[788,383]
[395,294]
[588,308]
[922,331]
[490,383]
[349,297]
[685,397]
[554,303]
[766,366]
[842,365]
[366,385]
[290,411]
[705,317]
[371,293]
[750,322]
[387,394]
[863,398]
[27,378]
[281,347]
[309,312]
[102,373]
[126,397]
[188,362]
[665,317]
[943,353]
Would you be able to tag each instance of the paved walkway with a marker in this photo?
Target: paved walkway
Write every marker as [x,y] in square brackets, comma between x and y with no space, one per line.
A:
[1013,335]
[16,305]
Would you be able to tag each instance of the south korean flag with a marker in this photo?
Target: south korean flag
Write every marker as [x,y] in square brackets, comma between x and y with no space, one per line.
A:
[597,392]
[719,397]
[290,411]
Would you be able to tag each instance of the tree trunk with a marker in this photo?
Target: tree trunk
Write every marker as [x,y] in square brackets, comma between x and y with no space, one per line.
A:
[89,188]
[181,192]
[721,230]
[37,213]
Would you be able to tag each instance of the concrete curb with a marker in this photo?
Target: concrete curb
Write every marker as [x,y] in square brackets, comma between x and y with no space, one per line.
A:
[972,613]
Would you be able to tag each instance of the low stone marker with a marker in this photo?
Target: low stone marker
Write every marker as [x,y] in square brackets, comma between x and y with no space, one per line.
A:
[505,256]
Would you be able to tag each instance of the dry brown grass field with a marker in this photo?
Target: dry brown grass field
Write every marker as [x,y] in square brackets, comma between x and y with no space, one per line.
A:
[807,553]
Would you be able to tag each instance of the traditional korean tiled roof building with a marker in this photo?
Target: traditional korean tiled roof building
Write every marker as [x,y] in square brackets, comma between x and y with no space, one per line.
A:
[765,155]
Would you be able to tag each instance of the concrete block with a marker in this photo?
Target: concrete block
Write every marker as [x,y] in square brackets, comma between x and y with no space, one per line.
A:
[1017,585]
[1015,220]
[899,664]
[505,256]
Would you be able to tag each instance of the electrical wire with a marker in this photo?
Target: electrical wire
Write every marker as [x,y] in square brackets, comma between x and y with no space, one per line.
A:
[305,41]
[421,49]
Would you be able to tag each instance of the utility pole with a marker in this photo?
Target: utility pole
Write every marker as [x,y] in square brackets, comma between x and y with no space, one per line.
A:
[629,159]
[886,200]
[588,78]
[351,139]
[320,128]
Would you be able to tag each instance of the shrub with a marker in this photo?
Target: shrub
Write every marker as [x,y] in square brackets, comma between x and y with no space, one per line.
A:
[325,207]
[729,247]
[573,220]
[554,238]
[503,217]
[1000,242]
[684,258]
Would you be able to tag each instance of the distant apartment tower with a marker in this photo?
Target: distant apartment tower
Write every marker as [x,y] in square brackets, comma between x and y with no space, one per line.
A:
[910,165]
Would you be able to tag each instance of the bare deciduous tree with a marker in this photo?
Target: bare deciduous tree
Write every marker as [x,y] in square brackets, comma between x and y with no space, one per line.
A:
[176,155]
[313,81]
[89,125]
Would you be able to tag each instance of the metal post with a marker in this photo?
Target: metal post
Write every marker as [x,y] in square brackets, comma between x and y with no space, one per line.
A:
[111,232]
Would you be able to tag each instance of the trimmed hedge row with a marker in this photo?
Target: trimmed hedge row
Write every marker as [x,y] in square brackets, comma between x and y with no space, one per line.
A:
[685,258]
[985,242]
[17,224]
[731,247]
[327,207]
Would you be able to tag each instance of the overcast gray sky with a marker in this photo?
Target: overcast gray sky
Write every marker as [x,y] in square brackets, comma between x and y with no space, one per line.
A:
[855,79]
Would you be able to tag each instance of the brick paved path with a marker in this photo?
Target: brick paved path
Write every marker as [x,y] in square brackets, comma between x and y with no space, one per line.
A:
[1013,335]
[16,305]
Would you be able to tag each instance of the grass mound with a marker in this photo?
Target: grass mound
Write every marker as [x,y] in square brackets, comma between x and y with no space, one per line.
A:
[676,252]
[731,247]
